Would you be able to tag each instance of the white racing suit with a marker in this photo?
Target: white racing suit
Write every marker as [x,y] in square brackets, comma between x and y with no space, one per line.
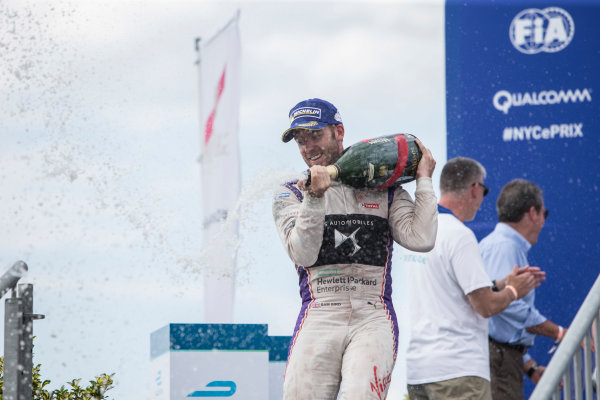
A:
[345,339]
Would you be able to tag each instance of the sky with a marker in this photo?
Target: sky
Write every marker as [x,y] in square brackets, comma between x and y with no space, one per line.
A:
[101,189]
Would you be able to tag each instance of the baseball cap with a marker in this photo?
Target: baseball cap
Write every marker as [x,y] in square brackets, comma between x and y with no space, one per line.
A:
[312,114]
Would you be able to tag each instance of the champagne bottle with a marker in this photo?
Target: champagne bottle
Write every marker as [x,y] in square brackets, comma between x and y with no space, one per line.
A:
[377,163]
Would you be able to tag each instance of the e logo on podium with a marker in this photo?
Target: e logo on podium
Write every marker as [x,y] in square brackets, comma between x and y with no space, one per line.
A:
[230,385]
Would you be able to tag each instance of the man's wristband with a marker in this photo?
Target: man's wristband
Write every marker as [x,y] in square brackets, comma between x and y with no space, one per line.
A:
[532,369]
[513,290]
[561,333]
[559,337]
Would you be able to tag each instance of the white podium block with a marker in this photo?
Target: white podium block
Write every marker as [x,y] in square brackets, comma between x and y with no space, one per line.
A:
[278,353]
[238,361]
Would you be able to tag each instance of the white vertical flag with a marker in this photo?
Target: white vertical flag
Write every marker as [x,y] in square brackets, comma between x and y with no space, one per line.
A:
[219,71]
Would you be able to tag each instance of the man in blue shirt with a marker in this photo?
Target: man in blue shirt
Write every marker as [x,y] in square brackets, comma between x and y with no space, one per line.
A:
[522,215]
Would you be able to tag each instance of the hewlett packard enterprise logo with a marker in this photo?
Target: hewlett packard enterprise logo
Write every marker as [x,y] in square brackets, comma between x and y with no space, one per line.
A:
[549,30]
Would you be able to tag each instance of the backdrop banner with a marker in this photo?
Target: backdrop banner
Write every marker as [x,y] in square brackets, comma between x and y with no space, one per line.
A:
[219,81]
[521,79]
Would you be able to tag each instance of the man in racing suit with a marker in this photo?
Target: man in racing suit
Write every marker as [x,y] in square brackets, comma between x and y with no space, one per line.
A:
[341,240]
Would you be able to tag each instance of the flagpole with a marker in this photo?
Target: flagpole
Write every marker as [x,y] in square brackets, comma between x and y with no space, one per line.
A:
[233,19]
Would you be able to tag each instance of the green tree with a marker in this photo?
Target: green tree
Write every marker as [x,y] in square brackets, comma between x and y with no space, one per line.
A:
[94,391]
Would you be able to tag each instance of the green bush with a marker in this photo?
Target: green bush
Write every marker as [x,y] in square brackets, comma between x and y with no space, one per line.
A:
[94,391]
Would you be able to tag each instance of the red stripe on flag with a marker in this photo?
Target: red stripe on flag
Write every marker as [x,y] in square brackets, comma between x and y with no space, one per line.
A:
[208,129]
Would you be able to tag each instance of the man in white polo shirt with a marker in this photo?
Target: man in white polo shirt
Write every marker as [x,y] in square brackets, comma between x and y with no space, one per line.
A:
[450,296]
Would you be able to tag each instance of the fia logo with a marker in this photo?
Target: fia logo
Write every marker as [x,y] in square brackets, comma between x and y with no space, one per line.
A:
[549,30]
[230,385]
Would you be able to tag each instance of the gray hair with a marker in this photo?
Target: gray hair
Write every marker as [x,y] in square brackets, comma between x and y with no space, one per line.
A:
[516,198]
[459,174]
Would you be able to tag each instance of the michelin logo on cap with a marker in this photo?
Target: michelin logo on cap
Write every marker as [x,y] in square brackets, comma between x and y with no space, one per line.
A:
[306,112]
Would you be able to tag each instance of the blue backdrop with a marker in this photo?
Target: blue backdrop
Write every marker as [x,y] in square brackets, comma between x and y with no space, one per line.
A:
[521,79]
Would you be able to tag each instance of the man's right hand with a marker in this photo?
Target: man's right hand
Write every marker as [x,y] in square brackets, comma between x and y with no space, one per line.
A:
[537,374]
[524,279]
[320,181]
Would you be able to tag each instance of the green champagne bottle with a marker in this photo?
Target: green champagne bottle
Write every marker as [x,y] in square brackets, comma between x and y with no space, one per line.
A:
[377,163]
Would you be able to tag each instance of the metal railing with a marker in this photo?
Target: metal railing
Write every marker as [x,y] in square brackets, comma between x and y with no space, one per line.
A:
[565,374]
[18,334]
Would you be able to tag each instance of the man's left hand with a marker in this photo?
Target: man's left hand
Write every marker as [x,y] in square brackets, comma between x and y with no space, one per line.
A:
[427,163]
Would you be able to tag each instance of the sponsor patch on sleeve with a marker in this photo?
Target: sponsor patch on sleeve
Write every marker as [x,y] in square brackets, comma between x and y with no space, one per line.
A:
[281,195]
